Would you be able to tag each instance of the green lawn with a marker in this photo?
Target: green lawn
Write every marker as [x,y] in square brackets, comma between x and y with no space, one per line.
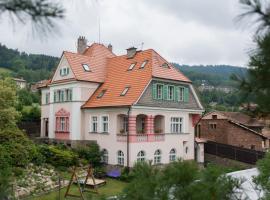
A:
[113,187]
[5,70]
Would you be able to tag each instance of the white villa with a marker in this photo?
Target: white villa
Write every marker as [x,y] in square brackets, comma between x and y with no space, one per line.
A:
[136,106]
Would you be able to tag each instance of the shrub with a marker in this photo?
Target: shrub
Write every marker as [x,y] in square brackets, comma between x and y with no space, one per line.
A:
[91,153]
[58,157]
[126,175]
[100,172]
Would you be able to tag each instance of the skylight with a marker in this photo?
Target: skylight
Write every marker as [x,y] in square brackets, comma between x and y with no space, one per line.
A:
[124,91]
[86,67]
[131,66]
[143,64]
[101,93]
[165,65]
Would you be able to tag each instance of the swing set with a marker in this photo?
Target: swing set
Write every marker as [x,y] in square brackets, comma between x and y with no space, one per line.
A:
[89,180]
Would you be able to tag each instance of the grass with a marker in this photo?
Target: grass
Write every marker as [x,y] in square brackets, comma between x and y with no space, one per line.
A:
[5,70]
[112,187]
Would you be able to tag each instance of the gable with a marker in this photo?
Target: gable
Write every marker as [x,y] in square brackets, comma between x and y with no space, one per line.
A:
[63,70]
[217,114]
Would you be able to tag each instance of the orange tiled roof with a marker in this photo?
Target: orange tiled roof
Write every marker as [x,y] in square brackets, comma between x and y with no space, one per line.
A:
[96,57]
[118,77]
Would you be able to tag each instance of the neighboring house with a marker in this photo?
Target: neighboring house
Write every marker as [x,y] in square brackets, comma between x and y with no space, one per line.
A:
[20,82]
[233,128]
[136,106]
[37,85]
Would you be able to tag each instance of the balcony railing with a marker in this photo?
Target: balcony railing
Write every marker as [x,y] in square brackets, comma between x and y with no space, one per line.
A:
[141,137]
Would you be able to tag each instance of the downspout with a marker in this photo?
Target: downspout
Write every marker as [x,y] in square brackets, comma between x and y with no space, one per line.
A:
[128,114]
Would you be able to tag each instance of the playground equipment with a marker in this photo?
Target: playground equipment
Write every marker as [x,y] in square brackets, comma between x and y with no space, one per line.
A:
[89,180]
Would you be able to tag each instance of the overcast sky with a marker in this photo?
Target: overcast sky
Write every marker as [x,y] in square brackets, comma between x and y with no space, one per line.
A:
[183,31]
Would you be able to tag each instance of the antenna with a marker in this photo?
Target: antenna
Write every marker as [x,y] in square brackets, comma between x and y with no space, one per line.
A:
[142,45]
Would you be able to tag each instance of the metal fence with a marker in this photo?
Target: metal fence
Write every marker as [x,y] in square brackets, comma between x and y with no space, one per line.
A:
[232,152]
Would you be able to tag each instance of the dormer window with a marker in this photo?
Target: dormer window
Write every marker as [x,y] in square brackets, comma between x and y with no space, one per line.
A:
[101,94]
[132,65]
[165,65]
[64,71]
[143,64]
[124,91]
[86,67]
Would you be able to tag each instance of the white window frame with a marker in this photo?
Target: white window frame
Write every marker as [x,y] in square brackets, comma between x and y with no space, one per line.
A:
[102,123]
[92,124]
[125,124]
[176,124]
[86,67]
[160,91]
[131,66]
[120,158]
[170,97]
[143,64]
[68,94]
[172,155]
[141,156]
[63,124]
[157,157]
[125,91]
[47,97]
[105,156]
[181,93]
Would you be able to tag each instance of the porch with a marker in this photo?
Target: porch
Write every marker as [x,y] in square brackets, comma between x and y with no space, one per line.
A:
[141,128]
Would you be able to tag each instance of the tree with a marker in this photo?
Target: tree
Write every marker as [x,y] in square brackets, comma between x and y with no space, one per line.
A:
[257,83]
[41,12]
[179,180]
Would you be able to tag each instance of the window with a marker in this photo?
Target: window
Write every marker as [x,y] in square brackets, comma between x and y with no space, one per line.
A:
[143,64]
[105,124]
[86,67]
[213,126]
[124,91]
[176,125]
[141,156]
[159,91]
[120,158]
[94,124]
[131,66]
[172,156]
[62,95]
[62,124]
[64,71]
[47,98]
[101,93]
[165,65]
[214,116]
[170,92]
[68,94]
[105,156]
[157,157]
[181,93]
[125,124]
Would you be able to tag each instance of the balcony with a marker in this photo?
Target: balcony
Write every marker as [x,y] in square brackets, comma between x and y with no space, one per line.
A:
[141,137]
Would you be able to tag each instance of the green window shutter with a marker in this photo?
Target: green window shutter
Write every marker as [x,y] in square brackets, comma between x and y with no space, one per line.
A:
[177,93]
[60,72]
[186,94]
[165,92]
[154,91]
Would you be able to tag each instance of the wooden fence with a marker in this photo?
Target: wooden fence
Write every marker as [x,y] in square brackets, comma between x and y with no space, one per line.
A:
[232,152]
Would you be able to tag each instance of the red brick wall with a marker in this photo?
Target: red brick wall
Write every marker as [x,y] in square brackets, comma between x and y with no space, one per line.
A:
[229,133]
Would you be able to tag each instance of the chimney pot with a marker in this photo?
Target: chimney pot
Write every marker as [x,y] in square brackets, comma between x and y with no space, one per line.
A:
[131,52]
[110,47]
[81,44]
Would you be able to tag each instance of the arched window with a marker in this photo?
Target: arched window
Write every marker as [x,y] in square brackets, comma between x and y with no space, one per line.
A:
[120,158]
[157,157]
[105,156]
[172,155]
[141,156]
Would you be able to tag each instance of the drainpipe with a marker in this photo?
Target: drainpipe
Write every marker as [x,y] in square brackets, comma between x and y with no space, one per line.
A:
[128,114]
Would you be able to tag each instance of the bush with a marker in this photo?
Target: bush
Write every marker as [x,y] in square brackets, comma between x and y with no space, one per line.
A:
[99,172]
[91,153]
[126,175]
[58,157]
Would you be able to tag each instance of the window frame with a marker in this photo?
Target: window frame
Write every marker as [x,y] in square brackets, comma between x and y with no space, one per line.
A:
[105,156]
[162,89]
[181,93]
[92,122]
[143,64]
[141,156]
[101,94]
[176,126]
[125,91]
[157,157]
[86,67]
[120,158]
[131,66]
[172,155]
[102,122]
[47,97]
[168,92]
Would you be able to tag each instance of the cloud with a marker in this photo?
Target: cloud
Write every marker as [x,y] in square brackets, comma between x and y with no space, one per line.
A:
[186,31]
